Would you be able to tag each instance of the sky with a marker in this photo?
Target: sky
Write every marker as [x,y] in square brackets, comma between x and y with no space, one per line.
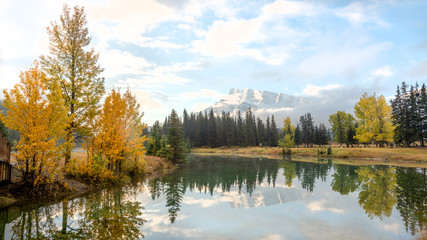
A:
[189,53]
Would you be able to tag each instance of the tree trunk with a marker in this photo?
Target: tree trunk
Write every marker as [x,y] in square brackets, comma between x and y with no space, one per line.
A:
[64,216]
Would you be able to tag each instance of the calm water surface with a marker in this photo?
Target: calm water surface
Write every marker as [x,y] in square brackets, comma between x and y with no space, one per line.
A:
[240,198]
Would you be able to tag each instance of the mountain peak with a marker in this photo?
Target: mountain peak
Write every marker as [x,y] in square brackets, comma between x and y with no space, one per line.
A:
[261,102]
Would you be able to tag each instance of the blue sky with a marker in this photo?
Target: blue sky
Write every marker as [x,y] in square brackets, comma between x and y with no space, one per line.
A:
[187,54]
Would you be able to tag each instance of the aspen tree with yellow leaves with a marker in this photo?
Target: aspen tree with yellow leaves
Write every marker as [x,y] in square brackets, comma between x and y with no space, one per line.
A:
[119,137]
[36,110]
[75,69]
[374,119]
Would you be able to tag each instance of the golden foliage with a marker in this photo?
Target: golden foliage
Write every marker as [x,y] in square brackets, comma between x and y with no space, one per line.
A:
[36,110]
[374,118]
[76,70]
[117,134]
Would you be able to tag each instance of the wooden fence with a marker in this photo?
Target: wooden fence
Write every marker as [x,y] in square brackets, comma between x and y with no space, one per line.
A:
[5,167]
[5,170]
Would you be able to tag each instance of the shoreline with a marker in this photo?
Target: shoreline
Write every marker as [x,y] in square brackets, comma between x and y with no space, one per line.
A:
[156,166]
[404,157]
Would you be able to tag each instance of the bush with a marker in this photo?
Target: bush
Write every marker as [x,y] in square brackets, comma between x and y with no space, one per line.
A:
[329,150]
[95,169]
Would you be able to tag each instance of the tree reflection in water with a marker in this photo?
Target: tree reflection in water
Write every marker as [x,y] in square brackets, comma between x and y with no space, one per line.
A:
[381,187]
[113,214]
[412,197]
[208,173]
[109,214]
[377,190]
[345,179]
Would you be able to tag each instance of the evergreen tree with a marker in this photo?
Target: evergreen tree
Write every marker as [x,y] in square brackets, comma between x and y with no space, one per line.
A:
[154,139]
[260,132]
[422,106]
[250,129]
[186,124]
[307,130]
[212,130]
[274,133]
[402,133]
[323,135]
[175,140]
[268,132]
[240,130]
[297,136]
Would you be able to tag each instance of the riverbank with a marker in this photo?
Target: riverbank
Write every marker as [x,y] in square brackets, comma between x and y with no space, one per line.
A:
[14,194]
[415,155]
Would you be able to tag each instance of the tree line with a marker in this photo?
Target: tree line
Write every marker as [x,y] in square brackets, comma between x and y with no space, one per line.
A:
[403,123]
[213,130]
[207,129]
[410,114]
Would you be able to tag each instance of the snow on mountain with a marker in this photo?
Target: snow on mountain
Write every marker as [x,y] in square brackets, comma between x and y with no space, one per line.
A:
[262,103]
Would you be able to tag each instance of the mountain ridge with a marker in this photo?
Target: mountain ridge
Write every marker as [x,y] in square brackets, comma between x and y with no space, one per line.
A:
[261,102]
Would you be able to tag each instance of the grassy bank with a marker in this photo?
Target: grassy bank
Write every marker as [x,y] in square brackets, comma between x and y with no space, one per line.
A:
[415,155]
[11,194]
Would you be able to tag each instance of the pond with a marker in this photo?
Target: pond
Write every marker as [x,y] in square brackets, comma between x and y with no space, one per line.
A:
[223,197]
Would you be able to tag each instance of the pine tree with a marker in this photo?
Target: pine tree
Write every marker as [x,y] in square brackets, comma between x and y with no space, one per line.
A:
[274,133]
[76,70]
[240,130]
[422,106]
[297,136]
[307,130]
[175,140]
[260,132]
[186,125]
[250,129]
[212,130]
[323,135]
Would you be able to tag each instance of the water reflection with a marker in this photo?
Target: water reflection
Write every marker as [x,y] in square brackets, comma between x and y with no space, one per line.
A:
[108,214]
[345,179]
[378,190]
[239,182]
[411,196]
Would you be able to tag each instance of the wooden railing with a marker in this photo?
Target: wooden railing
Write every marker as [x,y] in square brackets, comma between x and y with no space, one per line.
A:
[5,170]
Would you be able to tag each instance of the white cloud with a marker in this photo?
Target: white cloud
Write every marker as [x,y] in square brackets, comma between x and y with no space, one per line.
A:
[148,75]
[344,60]
[419,70]
[201,106]
[384,71]
[203,93]
[233,37]
[226,38]
[318,91]
[321,205]
[290,8]
[152,80]
[116,62]
[146,100]
[359,12]
[130,18]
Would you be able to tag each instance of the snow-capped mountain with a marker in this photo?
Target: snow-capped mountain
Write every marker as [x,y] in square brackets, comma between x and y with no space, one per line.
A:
[262,103]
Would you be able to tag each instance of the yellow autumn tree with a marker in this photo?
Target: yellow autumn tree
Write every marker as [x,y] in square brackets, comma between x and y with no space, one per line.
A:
[35,109]
[119,138]
[74,66]
[374,120]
